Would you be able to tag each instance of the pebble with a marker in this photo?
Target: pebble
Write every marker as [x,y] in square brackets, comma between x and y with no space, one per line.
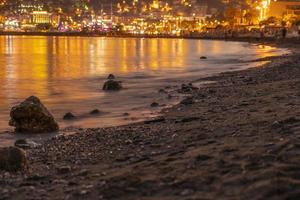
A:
[59,181]
[161,119]
[22,143]
[126,114]
[83,172]
[186,192]
[162,91]
[154,104]
[83,192]
[188,101]
[64,169]
[276,124]
[26,144]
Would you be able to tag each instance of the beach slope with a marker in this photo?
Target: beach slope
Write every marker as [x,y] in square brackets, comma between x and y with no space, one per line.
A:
[237,138]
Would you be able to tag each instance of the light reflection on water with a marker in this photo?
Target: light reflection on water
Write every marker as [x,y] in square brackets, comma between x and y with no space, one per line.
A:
[67,73]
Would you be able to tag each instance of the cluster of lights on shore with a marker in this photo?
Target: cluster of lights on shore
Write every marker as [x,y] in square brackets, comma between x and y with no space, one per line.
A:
[155,4]
[166,22]
[263,8]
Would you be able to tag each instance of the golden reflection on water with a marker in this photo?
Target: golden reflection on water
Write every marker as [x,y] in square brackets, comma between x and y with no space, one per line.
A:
[67,72]
[35,64]
[266,50]
[29,64]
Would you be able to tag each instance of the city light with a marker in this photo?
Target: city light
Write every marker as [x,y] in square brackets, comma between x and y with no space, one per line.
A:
[156,17]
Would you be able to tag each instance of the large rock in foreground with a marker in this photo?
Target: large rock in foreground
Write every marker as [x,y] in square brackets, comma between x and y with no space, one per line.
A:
[112,85]
[31,116]
[12,159]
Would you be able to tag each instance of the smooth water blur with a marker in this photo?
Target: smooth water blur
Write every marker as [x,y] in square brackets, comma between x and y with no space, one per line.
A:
[67,73]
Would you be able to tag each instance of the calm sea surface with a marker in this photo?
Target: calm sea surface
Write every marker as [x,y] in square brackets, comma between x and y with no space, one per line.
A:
[67,73]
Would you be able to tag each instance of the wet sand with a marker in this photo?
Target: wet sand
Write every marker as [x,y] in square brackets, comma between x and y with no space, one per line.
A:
[237,138]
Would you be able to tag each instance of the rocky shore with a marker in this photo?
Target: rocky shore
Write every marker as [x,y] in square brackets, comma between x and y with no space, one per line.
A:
[237,137]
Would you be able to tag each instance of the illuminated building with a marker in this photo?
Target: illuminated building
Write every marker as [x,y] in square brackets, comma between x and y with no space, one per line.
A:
[264,9]
[41,17]
[280,8]
[21,7]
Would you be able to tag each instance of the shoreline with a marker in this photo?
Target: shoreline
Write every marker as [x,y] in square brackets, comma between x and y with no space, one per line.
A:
[289,42]
[237,138]
[129,35]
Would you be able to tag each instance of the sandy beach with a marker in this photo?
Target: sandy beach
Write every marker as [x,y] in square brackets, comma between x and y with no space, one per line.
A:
[236,137]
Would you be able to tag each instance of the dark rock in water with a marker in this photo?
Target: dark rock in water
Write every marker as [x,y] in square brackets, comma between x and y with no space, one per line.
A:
[32,116]
[12,159]
[111,76]
[95,112]
[112,85]
[69,116]
[188,101]
[154,104]
[126,114]
[203,57]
